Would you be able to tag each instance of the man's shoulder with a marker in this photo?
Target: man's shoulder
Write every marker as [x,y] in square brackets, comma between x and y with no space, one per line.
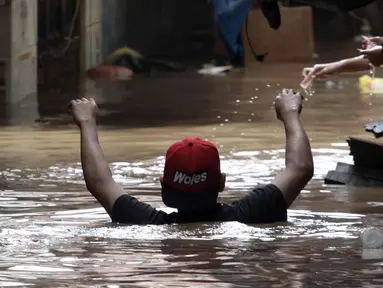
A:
[129,210]
[261,205]
[263,193]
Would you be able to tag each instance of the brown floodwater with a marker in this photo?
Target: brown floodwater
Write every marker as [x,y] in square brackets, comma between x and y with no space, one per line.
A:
[53,233]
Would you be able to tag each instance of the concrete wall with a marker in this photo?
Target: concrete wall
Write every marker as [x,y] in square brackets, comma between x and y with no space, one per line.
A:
[18,36]
[91,35]
[114,25]
[23,49]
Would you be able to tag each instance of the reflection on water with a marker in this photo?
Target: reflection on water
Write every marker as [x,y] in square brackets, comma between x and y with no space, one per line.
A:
[54,234]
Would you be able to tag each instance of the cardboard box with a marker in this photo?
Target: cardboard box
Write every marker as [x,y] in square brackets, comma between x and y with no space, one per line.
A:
[294,40]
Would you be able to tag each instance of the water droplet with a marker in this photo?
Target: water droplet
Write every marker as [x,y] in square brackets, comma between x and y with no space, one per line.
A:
[226,120]
[268,85]
[256,89]
[235,112]
[221,146]
[214,128]
[250,102]
[221,124]
[242,134]
[255,97]
[219,117]
[252,114]
[212,136]
[238,101]
[249,120]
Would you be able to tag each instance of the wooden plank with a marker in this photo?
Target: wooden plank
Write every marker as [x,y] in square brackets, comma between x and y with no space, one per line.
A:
[360,171]
[349,179]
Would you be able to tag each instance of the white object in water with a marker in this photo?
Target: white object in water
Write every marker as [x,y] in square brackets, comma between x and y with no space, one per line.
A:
[215,70]
[372,238]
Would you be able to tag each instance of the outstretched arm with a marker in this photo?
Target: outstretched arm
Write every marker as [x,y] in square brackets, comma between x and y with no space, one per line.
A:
[299,160]
[355,64]
[321,71]
[97,173]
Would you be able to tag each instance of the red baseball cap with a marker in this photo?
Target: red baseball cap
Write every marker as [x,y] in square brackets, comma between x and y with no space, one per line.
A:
[192,165]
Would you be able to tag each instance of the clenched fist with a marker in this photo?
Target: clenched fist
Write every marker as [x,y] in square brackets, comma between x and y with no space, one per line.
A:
[83,111]
[288,103]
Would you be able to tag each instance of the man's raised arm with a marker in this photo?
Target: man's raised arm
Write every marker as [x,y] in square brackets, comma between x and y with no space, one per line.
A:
[97,174]
[299,160]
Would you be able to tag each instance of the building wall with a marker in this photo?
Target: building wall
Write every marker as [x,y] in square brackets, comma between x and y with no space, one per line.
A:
[91,32]
[114,28]
[24,49]
[4,31]
[155,28]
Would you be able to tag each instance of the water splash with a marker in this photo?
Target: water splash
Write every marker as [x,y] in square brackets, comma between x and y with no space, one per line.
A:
[372,75]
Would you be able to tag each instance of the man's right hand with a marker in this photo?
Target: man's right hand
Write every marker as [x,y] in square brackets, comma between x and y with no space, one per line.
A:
[83,111]
[288,103]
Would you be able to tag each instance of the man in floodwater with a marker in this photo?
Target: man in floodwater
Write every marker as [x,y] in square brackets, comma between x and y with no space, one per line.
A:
[192,177]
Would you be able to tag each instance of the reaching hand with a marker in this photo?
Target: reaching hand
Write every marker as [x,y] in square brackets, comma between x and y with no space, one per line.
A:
[374,54]
[321,71]
[83,111]
[288,103]
[370,42]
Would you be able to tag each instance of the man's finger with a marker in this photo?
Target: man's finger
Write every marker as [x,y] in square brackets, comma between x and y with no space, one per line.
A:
[91,100]
[375,38]
[310,75]
[70,105]
[306,71]
[375,49]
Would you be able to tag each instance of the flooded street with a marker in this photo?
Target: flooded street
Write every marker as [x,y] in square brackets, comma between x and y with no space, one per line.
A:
[53,233]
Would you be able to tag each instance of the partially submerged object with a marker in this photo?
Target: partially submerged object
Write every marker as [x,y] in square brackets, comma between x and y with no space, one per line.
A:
[138,63]
[367,170]
[215,70]
[368,85]
[109,72]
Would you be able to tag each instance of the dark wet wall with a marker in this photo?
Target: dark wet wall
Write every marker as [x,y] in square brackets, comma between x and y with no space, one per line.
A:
[165,28]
